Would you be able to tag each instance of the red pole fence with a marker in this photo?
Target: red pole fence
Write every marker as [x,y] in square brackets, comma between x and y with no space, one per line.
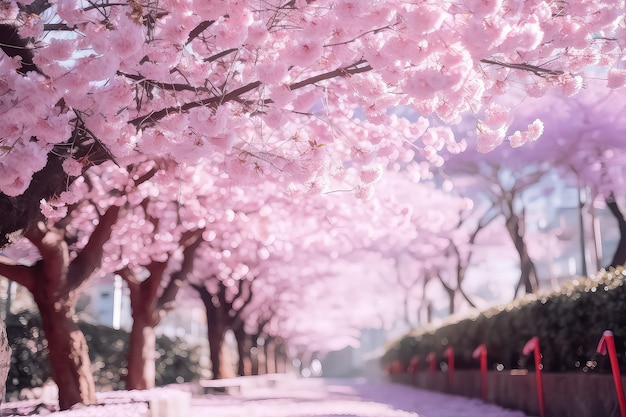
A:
[530,346]
[607,342]
[414,365]
[432,362]
[481,352]
[449,352]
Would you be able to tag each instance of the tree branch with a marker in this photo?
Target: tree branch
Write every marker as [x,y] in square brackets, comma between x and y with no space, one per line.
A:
[89,259]
[22,274]
[168,297]
[539,71]
[195,32]
[150,119]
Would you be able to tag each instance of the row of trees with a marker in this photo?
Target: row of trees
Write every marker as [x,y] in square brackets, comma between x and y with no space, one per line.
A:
[235,146]
[258,265]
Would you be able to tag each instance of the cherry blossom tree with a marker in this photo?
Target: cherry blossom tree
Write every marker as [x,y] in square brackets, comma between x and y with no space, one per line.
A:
[68,252]
[151,298]
[271,88]
[503,178]
[301,95]
[153,252]
[584,133]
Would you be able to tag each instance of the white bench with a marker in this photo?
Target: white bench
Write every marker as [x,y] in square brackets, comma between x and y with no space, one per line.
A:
[226,385]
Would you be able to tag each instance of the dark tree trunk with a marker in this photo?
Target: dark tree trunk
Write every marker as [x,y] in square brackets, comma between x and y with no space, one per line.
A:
[68,351]
[141,356]
[55,284]
[216,333]
[222,316]
[619,257]
[217,325]
[270,356]
[148,309]
[254,355]
[142,346]
[280,357]
[243,350]
[528,275]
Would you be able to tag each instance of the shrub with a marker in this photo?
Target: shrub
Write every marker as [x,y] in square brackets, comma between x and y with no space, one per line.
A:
[177,361]
[569,324]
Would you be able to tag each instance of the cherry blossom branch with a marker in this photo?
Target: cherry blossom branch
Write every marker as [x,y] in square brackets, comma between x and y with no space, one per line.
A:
[49,27]
[358,37]
[153,117]
[220,55]
[352,69]
[539,71]
[195,32]
[163,86]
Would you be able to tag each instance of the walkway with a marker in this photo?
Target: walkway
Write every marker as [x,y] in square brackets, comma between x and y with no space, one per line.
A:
[340,397]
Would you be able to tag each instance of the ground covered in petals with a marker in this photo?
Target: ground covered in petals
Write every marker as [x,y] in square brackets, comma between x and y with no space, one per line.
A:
[286,397]
[351,398]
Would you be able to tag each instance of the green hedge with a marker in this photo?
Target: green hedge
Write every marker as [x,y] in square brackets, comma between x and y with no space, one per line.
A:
[569,325]
[177,361]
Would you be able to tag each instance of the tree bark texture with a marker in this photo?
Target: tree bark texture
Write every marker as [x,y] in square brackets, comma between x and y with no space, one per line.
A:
[148,309]
[217,324]
[68,351]
[142,346]
[619,257]
[222,316]
[5,360]
[528,274]
[243,350]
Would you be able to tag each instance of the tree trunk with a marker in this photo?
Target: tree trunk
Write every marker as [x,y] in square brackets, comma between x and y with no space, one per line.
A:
[254,355]
[216,331]
[528,274]
[270,356]
[5,360]
[243,350]
[262,360]
[619,257]
[68,352]
[280,356]
[141,352]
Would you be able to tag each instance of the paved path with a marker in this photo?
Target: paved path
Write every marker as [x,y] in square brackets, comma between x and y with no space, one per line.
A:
[319,397]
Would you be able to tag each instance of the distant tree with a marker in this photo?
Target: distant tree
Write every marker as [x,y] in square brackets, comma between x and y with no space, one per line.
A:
[502,177]
[584,137]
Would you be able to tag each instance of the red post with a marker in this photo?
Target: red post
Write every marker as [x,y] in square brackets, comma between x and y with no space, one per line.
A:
[607,342]
[481,352]
[432,362]
[533,345]
[414,367]
[431,358]
[449,352]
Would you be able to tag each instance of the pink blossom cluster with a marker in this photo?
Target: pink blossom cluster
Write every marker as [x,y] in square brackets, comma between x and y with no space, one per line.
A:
[275,92]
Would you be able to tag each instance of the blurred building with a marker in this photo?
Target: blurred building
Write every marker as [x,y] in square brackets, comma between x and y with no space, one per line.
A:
[108,302]
[574,240]
[360,361]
